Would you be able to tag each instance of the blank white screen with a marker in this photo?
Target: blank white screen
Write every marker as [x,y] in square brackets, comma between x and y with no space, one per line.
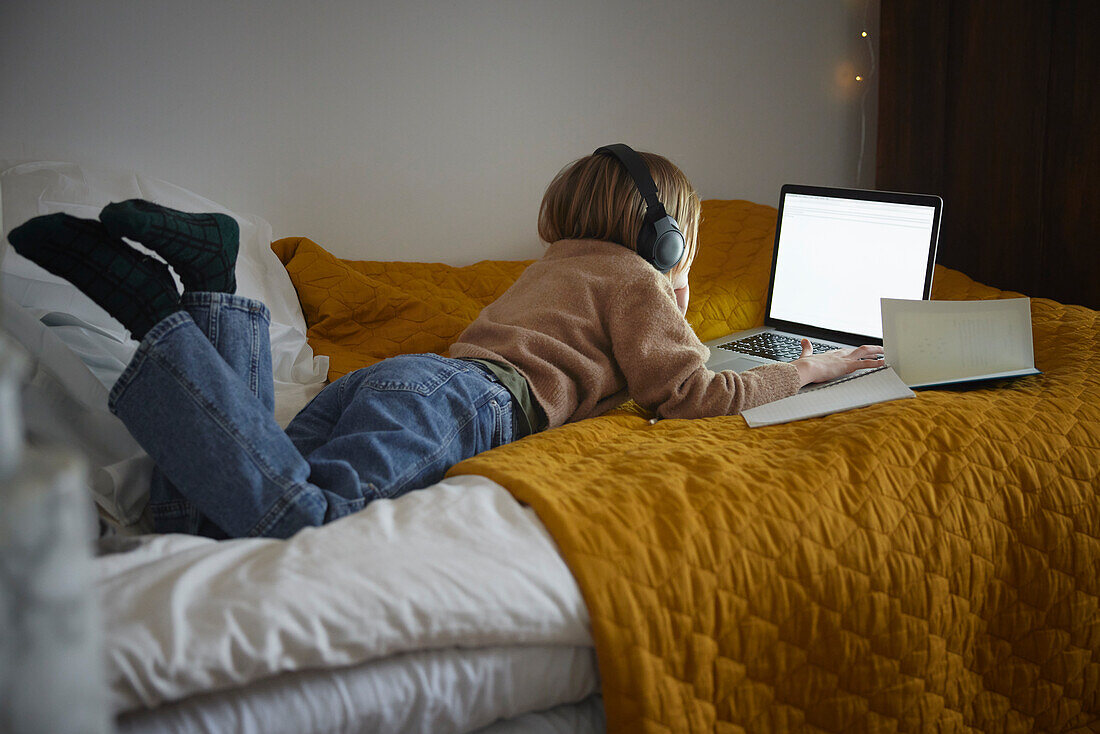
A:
[838,257]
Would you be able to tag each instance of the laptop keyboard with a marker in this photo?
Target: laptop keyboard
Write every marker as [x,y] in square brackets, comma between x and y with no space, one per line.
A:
[770,345]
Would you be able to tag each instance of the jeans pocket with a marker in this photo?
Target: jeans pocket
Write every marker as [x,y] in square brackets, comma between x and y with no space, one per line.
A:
[423,374]
[503,419]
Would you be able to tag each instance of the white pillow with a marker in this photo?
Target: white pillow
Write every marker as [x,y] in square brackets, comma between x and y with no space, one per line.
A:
[78,351]
[64,403]
[45,187]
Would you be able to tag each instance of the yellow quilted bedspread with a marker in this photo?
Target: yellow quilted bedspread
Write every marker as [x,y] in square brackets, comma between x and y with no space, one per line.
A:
[923,565]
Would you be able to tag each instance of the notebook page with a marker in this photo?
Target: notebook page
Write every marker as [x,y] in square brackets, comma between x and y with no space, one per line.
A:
[872,387]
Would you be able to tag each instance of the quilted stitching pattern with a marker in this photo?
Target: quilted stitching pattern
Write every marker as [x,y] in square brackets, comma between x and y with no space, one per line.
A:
[729,278]
[359,313]
[922,565]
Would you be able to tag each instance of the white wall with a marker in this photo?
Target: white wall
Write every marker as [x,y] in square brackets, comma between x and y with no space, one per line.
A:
[429,130]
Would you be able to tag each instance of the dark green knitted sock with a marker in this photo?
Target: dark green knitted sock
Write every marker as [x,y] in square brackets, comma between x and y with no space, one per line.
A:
[136,289]
[201,248]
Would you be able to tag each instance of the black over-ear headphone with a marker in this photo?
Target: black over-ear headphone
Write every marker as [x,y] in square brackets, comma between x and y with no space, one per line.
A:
[660,242]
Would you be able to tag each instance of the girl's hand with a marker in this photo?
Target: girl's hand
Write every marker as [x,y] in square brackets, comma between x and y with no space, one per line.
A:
[837,363]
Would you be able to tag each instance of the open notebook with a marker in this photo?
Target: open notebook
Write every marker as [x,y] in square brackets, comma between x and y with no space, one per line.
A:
[927,343]
[943,342]
[868,388]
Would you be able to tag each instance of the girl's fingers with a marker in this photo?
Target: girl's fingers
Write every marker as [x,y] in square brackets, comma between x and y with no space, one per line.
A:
[869,351]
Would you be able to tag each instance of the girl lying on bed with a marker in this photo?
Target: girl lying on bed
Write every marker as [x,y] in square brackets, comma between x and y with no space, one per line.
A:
[583,328]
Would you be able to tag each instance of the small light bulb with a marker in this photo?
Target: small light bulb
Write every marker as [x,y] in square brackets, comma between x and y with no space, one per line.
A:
[864,34]
[859,78]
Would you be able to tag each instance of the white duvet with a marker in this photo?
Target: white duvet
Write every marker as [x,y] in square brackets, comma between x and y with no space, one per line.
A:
[458,568]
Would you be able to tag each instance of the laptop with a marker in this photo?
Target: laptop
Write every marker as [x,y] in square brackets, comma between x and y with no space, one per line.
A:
[837,252]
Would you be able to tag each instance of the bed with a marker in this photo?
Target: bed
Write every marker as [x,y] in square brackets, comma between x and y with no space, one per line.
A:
[923,565]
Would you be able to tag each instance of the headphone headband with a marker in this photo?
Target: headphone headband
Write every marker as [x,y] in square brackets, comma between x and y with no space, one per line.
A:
[660,242]
[638,171]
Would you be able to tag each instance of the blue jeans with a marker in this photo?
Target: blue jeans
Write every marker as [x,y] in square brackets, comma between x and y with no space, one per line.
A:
[198,397]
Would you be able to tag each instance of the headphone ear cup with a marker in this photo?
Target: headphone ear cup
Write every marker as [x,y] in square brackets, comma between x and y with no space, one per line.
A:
[660,241]
[661,244]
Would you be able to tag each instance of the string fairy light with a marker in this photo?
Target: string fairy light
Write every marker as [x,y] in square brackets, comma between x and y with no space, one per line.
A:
[863,97]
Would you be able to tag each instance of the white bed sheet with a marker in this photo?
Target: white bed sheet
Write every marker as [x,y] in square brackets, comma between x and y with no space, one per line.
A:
[460,566]
[440,691]
[585,717]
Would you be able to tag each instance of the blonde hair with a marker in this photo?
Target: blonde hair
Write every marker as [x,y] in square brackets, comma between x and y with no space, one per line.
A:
[595,198]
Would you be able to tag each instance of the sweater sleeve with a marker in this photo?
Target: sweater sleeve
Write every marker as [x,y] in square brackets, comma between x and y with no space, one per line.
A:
[664,362]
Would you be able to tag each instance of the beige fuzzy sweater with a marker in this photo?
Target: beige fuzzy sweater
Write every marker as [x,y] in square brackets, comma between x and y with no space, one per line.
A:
[591,324]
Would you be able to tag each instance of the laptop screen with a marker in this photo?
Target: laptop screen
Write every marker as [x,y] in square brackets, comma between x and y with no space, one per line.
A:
[836,256]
